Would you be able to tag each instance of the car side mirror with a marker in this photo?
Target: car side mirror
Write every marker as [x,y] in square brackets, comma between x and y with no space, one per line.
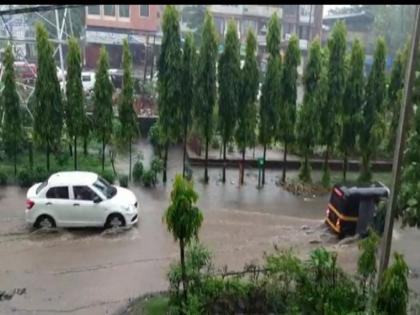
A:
[97,199]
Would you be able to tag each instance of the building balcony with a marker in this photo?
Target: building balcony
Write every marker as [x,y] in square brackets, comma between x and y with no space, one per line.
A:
[226,9]
[265,11]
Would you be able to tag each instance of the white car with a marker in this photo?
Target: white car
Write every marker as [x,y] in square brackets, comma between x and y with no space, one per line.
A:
[79,199]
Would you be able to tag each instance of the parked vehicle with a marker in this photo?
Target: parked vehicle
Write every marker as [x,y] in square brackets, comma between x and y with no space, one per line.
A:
[352,209]
[79,199]
[24,71]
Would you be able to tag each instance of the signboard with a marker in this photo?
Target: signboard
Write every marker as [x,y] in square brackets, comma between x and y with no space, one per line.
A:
[111,38]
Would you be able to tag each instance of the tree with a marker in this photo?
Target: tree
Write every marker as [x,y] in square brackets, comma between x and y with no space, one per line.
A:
[409,197]
[183,219]
[127,116]
[308,124]
[336,86]
[395,87]
[206,84]
[74,107]
[193,17]
[352,102]
[12,130]
[229,69]
[102,111]
[245,133]
[48,114]
[270,91]
[369,137]
[188,88]
[288,96]
[169,87]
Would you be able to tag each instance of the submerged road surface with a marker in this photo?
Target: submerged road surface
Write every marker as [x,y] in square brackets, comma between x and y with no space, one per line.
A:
[91,271]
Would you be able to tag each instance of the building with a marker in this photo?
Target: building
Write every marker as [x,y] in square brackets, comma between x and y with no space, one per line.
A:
[303,20]
[359,25]
[109,24]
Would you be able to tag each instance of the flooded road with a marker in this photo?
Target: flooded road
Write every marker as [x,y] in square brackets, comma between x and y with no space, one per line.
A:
[89,271]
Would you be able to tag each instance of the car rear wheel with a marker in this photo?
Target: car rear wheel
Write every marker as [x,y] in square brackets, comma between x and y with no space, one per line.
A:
[45,222]
[115,221]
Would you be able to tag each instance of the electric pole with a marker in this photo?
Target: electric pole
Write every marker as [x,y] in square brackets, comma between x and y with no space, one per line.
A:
[405,114]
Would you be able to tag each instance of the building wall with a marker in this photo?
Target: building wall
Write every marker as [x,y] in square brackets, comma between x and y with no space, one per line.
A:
[150,23]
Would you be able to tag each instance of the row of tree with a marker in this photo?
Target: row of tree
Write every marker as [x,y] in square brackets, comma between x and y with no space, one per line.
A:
[339,111]
[54,112]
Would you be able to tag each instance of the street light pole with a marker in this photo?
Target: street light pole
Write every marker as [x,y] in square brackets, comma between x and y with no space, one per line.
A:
[405,114]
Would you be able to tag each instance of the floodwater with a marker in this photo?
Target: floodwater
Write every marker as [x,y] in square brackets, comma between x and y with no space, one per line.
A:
[91,271]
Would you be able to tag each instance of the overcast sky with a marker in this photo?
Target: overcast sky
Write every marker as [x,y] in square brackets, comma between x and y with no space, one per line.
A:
[328,7]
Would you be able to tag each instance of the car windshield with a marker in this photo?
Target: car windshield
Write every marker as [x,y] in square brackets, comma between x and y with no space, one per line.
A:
[106,188]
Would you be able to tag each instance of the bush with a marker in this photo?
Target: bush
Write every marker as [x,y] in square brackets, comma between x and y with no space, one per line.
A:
[3,178]
[40,174]
[148,178]
[156,166]
[25,178]
[137,171]
[109,176]
[123,181]
[215,144]
[154,135]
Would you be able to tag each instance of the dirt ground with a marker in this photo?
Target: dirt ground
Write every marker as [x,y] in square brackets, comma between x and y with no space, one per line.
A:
[91,271]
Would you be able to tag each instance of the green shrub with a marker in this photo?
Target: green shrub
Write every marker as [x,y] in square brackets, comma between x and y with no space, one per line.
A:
[25,178]
[148,178]
[40,174]
[154,135]
[109,176]
[3,178]
[137,171]
[62,159]
[123,181]
[156,166]
[215,144]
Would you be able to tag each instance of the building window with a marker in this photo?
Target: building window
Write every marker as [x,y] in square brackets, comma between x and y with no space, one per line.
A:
[94,10]
[109,10]
[124,10]
[144,10]
[304,32]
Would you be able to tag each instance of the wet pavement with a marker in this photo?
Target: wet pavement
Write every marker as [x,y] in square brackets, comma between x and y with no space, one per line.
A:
[92,271]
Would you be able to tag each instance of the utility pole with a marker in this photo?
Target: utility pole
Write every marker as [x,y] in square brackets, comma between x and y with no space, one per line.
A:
[60,48]
[405,114]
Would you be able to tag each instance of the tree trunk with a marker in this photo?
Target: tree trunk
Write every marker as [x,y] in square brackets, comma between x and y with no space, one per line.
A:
[165,162]
[14,157]
[326,157]
[184,157]
[31,156]
[224,162]
[85,150]
[129,160]
[206,176]
[345,163]
[183,274]
[263,168]
[103,153]
[75,152]
[243,166]
[70,149]
[48,156]
[283,177]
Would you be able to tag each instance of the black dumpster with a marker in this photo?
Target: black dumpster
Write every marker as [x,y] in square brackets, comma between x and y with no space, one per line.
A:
[351,209]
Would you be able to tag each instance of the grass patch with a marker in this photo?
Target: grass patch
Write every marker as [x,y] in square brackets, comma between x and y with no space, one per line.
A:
[154,305]
[58,162]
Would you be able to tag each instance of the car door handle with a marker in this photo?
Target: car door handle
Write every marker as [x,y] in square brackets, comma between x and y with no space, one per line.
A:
[76,204]
[48,203]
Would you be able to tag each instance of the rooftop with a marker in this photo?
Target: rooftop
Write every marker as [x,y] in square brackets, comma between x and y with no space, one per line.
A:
[70,178]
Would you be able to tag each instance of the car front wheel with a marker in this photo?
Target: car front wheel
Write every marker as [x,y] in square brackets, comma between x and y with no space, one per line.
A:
[115,221]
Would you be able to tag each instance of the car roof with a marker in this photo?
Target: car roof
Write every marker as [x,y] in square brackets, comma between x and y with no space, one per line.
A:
[72,178]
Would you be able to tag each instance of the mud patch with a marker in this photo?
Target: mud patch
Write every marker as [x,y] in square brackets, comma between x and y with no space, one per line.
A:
[305,190]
